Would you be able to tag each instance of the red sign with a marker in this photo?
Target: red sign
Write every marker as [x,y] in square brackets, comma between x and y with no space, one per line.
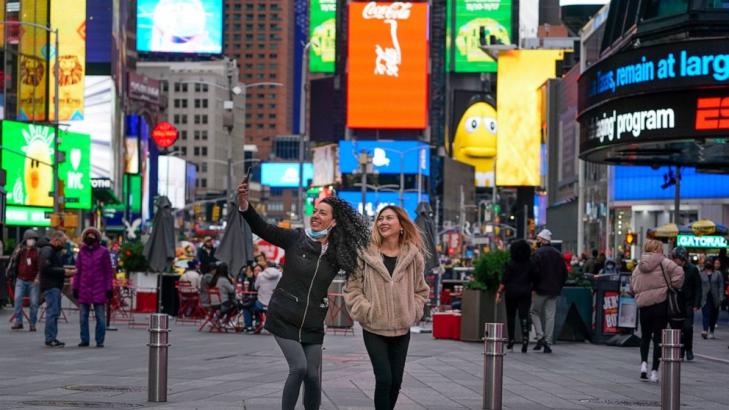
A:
[164,134]
[273,253]
[610,312]
[712,113]
[387,82]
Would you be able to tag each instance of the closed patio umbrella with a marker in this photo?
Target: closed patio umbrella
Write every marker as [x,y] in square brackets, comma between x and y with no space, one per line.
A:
[236,246]
[160,247]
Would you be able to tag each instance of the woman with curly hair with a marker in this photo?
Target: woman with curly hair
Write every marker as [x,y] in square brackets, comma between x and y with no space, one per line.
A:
[386,296]
[299,303]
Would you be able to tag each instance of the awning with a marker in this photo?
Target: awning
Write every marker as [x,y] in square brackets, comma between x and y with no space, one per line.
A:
[105,195]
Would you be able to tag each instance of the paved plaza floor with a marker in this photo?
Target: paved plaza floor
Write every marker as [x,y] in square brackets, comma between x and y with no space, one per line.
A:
[238,371]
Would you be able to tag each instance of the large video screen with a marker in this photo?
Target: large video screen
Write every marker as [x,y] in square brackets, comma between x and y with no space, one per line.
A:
[285,174]
[180,26]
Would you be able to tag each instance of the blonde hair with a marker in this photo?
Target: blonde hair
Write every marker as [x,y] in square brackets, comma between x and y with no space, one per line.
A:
[653,246]
[410,232]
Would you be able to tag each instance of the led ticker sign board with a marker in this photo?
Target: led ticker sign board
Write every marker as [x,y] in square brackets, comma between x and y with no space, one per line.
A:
[285,174]
[388,157]
[323,35]
[387,82]
[705,242]
[494,16]
[180,26]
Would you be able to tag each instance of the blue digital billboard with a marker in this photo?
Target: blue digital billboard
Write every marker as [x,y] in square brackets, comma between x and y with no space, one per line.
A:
[180,26]
[378,200]
[98,31]
[644,183]
[285,174]
[388,157]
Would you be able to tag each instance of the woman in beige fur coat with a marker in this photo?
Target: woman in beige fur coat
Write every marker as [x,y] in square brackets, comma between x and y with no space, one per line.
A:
[386,295]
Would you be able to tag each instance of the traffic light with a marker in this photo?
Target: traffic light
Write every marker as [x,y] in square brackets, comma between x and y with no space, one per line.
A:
[629,238]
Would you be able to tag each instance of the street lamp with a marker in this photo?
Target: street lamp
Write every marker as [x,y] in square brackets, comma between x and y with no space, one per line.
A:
[56,68]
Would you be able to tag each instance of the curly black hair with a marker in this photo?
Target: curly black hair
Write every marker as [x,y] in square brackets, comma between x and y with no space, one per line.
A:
[520,251]
[348,237]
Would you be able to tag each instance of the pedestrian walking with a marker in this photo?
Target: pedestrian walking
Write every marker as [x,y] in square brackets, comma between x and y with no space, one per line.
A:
[387,295]
[551,275]
[206,256]
[649,282]
[93,285]
[691,297]
[712,294]
[52,277]
[517,286]
[24,267]
[299,305]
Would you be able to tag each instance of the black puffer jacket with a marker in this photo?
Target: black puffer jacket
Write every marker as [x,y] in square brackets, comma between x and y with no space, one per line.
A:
[50,259]
[298,306]
[551,271]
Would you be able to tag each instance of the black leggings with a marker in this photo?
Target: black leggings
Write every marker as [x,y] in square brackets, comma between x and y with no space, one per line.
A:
[387,355]
[304,366]
[514,304]
[653,319]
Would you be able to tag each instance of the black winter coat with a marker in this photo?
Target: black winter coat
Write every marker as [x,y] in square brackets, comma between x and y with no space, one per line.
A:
[50,260]
[518,278]
[551,271]
[299,304]
[691,289]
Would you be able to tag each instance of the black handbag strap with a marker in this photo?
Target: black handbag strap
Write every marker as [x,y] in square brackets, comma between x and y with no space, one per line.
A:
[666,279]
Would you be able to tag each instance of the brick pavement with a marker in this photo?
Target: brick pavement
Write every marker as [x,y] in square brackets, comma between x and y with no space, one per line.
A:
[235,371]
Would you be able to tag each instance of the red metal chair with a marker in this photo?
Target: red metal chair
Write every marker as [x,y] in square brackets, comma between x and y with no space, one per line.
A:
[190,310]
[212,320]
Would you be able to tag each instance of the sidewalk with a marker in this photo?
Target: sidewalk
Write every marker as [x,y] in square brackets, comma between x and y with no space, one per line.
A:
[235,371]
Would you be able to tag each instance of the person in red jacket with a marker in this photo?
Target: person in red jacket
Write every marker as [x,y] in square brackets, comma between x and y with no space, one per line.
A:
[93,284]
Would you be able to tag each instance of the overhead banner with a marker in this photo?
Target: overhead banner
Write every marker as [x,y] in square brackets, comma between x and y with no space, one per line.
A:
[69,17]
[494,16]
[520,74]
[32,62]
[387,83]
[323,35]
[27,158]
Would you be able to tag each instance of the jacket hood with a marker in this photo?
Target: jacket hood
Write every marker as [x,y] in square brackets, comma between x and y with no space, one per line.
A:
[372,257]
[649,261]
[92,230]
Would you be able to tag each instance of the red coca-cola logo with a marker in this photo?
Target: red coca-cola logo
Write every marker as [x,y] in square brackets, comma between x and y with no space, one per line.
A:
[388,11]
[164,134]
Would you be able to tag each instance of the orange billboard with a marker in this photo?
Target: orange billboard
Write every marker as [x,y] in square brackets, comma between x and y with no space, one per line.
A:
[387,82]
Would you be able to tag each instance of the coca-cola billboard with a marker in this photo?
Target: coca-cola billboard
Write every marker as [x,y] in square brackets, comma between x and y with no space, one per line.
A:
[387,85]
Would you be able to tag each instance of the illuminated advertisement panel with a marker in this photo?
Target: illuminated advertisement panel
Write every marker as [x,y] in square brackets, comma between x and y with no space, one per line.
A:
[388,157]
[180,26]
[470,16]
[323,35]
[379,200]
[32,64]
[285,174]
[387,83]
[27,158]
[69,17]
[520,74]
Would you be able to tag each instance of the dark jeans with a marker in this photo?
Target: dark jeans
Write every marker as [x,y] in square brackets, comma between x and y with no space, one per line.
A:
[687,330]
[100,317]
[252,311]
[653,319]
[304,366]
[709,314]
[514,304]
[387,355]
[53,309]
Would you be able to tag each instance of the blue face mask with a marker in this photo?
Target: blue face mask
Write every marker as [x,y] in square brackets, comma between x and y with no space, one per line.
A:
[317,234]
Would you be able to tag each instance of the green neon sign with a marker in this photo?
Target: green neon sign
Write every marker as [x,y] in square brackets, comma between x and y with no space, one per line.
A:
[470,15]
[27,157]
[323,35]
[691,241]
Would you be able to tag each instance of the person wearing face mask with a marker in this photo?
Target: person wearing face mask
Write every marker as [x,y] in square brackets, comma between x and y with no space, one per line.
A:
[24,266]
[52,276]
[298,305]
[386,295]
[93,284]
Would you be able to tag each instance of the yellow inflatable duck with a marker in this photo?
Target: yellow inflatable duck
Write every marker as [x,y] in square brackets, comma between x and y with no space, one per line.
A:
[474,142]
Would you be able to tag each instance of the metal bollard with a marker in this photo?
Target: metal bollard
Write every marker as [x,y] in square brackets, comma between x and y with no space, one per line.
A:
[671,369]
[159,324]
[493,365]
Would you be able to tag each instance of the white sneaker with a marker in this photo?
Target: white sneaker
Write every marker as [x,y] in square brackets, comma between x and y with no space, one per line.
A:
[711,335]
[654,376]
[644,371]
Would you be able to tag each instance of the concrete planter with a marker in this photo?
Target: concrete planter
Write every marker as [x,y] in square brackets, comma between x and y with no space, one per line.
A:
[479,307]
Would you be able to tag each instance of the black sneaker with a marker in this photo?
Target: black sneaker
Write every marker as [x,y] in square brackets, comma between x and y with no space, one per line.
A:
[100,345]
[55,343]
[689,355]
[539,345]
[17,326]
[547,349]
[32,328]
[83,344]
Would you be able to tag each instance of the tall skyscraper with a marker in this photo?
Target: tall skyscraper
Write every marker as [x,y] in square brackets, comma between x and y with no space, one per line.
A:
[259,34]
